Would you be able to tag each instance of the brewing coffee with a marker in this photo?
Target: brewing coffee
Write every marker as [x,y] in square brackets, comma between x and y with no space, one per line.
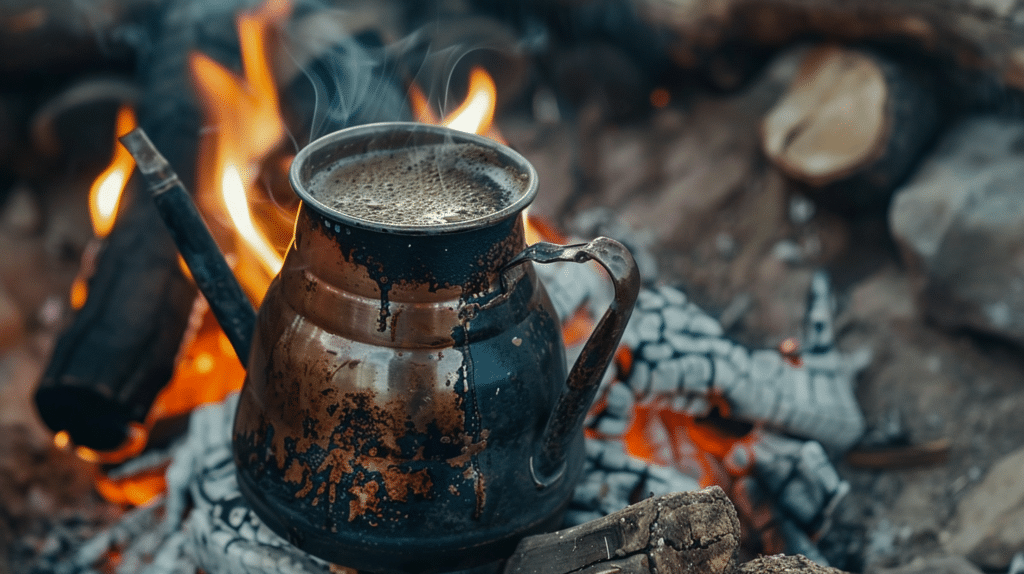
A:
[417,186]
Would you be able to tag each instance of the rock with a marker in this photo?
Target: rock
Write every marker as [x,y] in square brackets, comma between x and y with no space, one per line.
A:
[958,224]
[988,527]
[934,565]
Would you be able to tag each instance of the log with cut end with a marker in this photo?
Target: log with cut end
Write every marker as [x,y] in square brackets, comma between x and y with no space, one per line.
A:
[693,532]
[852,124]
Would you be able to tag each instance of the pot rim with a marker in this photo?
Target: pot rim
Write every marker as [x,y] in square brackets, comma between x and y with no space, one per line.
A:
[368,132]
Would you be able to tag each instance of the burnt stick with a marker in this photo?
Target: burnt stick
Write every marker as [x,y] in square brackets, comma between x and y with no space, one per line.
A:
[209,269]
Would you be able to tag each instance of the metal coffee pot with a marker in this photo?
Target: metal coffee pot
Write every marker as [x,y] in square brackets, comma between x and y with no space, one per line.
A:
[406,406]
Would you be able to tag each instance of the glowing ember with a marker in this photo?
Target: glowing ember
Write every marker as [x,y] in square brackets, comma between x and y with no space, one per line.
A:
[790,351]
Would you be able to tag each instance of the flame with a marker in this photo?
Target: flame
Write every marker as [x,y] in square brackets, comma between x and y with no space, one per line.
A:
[243,112]
[246,127]
[474,115]
[104,199]
[106,190]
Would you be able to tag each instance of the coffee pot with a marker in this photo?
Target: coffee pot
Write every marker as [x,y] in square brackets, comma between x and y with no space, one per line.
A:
[406,406]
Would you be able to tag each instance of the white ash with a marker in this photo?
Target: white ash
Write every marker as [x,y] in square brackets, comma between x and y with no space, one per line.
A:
[681,351]
[681,358]
[613,480]
[799,479]
[201,523]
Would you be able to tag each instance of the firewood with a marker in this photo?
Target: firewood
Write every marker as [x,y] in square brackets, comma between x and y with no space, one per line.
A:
[120,349]
[694,532]
[972,34]
[851,125]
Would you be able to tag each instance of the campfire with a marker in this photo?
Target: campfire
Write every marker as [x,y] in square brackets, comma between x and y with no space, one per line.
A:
[746,397]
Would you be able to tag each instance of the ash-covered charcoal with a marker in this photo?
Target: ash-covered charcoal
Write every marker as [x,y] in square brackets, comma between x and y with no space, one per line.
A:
[202,523]
[681,357]
[798,476]
[612,480]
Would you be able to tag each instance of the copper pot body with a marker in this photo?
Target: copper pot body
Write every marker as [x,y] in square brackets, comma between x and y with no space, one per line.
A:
[401,379]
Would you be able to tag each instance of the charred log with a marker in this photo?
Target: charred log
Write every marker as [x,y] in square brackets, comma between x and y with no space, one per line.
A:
[120,349]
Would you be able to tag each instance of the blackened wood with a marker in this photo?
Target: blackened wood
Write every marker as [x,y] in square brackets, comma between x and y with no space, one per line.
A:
[968,34]
[109,365]
[927,454]
[209,268]
[694,532]
[120,349]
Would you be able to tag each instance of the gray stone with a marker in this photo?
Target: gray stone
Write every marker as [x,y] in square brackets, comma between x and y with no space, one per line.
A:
[960,228]
[988,527]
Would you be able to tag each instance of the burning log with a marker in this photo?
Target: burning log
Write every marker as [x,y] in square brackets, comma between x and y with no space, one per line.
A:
[852,125]
[109,365]
[119,352]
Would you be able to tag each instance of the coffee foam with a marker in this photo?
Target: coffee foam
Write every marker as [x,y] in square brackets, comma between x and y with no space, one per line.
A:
[426,185]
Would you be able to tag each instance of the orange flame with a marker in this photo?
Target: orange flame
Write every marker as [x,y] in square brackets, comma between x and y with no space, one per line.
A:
[104,199]
[246,127]
[106,190]
[474,115]
[243,112]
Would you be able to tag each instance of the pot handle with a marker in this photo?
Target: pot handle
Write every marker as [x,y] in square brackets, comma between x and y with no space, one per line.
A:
[547,464]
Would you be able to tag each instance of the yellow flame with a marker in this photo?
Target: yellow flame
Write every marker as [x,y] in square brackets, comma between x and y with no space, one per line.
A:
[243,111]
[106,190]
[233,192]
[474,115]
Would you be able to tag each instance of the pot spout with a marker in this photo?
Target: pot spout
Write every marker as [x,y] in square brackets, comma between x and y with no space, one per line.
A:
[209,269]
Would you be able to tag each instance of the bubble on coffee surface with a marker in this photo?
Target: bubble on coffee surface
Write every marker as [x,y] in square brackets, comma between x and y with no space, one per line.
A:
[421,186]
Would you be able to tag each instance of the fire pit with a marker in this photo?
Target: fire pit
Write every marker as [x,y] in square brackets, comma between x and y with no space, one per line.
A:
[705,140]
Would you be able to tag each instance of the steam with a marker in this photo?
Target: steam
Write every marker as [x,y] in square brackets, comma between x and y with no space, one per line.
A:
[349,78]
[352,79]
